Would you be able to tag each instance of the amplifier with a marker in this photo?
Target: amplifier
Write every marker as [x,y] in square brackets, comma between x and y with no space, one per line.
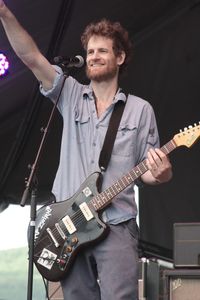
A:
[181,284]
[187,245]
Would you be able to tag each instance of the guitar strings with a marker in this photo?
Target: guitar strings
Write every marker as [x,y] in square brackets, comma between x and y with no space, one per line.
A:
[77,218]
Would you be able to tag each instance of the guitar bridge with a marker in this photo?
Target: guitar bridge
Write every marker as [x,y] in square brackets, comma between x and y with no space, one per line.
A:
[53,238]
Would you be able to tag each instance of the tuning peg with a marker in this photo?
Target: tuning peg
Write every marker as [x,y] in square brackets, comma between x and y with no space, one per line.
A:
[181,130]
[185,129]
[190,127]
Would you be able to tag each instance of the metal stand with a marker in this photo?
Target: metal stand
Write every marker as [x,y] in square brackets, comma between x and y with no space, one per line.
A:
[31,243]
[31,188]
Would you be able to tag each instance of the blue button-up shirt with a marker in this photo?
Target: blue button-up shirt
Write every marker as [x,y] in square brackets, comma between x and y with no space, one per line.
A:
[82,140]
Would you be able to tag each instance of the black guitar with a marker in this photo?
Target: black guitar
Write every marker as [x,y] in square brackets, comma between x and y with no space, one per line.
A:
[63,228]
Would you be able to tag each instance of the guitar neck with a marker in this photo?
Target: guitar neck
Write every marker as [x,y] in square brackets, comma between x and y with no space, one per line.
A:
[101,200]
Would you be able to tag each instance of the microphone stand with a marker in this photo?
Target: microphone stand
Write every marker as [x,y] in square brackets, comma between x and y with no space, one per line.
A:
[31,189]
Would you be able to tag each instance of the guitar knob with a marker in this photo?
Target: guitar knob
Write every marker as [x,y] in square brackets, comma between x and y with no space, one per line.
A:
[74,240]
[69,249]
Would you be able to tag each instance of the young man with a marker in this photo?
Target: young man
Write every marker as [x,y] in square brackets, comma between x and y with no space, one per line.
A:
[86,111]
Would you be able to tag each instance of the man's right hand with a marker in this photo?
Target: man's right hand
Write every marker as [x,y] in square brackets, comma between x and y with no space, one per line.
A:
[4,10]
[2,7]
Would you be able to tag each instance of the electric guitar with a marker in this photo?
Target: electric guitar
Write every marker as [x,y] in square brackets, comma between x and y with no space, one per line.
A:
[64,228]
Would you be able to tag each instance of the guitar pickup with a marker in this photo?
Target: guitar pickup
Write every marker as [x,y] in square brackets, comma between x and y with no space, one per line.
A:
[86,211]
[69,224]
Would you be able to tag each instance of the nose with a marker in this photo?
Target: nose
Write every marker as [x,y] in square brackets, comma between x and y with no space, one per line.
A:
[94,55]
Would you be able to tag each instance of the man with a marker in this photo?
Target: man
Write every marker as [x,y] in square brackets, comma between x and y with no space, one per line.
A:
[86,111]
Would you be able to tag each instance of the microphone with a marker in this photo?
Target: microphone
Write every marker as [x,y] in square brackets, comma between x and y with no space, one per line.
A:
[69,62]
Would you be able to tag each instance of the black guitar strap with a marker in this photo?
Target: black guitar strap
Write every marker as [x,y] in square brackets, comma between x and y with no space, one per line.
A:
[111,134]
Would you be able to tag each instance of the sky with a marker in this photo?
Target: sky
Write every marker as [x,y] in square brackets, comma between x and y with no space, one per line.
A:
[13,227]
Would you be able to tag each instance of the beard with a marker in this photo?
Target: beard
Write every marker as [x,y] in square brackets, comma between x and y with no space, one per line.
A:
[104,74]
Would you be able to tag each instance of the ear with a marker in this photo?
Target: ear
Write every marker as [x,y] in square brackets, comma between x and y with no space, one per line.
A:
[121,58]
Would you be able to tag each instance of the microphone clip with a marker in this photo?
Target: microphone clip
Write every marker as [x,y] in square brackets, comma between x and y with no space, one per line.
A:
[69,62]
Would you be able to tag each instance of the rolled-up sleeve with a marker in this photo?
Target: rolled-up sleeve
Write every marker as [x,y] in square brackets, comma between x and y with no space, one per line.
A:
[53,92]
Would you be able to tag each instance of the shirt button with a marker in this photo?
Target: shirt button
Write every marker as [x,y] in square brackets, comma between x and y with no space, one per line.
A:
[97,126]
[92,161]
[94,144]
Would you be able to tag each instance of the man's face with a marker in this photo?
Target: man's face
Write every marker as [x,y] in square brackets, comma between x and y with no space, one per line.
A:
[102,63]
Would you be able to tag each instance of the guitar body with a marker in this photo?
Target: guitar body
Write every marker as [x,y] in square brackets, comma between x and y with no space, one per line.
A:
[62,230]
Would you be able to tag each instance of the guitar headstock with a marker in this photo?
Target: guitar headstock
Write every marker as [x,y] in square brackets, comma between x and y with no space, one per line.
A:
[188,136]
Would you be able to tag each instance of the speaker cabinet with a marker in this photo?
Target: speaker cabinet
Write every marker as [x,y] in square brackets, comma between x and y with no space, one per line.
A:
[182,284]
[55,291]
[151,278]
[187,245]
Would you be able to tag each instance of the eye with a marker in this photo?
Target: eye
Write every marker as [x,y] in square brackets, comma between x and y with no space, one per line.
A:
[90,51]
[103,50]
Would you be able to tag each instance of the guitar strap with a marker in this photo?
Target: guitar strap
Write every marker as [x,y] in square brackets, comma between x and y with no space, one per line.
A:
[111,134]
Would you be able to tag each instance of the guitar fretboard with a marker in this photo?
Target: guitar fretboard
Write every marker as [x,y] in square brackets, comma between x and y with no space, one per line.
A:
[103,199]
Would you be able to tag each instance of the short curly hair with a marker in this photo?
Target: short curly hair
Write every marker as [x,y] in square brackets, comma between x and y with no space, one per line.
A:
[113,31]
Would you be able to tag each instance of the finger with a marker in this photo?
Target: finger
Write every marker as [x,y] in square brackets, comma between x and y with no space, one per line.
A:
[163,157]
[151,163]
[154,157]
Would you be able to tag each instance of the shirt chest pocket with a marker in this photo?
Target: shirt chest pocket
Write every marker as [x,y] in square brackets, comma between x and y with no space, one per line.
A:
[126,139]
[81,129]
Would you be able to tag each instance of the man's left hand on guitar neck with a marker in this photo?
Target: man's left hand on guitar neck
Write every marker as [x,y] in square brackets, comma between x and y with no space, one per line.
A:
[160,168]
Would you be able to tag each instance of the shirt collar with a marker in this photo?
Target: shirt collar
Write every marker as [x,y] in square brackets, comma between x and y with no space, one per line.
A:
[120,95]
[88,92]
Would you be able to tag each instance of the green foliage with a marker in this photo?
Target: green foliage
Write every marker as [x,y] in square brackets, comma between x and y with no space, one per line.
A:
[14,276]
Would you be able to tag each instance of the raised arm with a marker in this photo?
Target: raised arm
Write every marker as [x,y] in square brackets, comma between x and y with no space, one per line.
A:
[25,48]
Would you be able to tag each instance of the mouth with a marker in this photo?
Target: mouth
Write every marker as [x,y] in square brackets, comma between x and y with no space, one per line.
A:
[95,64]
